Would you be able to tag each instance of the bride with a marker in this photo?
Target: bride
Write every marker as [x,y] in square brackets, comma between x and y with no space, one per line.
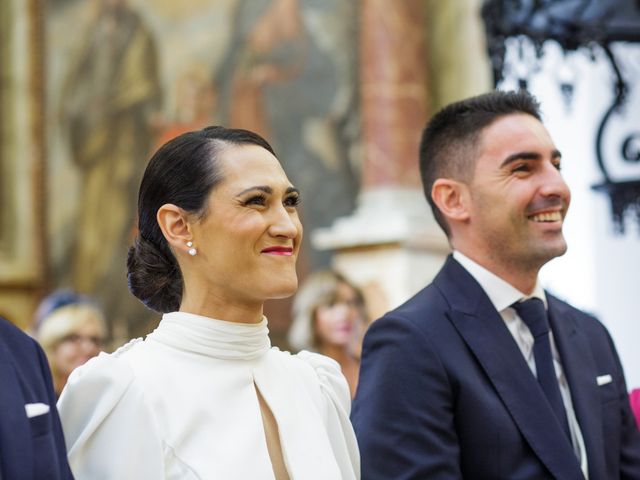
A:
[205,396]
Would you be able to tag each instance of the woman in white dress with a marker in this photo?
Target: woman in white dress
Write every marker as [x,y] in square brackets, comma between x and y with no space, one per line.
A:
[205,396]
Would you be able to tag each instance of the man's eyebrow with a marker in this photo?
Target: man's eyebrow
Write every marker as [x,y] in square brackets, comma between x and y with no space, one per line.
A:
[528,156]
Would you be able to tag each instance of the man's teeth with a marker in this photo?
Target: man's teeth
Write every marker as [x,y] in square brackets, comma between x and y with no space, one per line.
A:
[547,217]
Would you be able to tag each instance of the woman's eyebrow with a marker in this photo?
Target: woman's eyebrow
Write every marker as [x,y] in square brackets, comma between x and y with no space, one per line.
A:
[261,188]
[268,189]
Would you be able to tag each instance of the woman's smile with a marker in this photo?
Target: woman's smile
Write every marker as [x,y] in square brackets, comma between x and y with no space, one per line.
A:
[280,251]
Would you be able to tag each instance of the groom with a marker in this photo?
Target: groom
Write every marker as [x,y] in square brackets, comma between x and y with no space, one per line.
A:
[483,374]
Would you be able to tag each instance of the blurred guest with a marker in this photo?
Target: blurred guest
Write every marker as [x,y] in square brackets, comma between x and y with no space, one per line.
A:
[329,318]
[31,441]
[71,329]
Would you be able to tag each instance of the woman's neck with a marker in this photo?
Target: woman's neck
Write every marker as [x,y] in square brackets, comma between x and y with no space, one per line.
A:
[224,309]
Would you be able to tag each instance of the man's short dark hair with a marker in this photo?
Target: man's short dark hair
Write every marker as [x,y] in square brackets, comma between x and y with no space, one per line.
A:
[449,141]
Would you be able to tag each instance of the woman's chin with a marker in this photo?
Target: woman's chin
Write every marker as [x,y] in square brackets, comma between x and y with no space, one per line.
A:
[284,289]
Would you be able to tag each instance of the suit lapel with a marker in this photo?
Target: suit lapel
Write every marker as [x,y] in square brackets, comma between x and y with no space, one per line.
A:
[15,431]
[484,331]
[580,369]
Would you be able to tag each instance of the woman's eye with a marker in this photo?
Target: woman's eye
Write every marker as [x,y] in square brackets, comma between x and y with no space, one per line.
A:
[256,200]
[292,201]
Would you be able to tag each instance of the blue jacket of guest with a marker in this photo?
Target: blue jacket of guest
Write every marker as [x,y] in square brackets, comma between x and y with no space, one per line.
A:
[31,441]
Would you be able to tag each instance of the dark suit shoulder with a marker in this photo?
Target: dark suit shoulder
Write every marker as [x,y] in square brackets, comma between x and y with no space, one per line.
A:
[9,330]
[425,308]
[16,341]
[585,321]
[421,324]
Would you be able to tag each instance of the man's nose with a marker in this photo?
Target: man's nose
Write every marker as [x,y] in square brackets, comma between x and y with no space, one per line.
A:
[553,183]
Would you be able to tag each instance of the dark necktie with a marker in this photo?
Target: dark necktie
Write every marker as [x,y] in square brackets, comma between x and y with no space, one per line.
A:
[534,315]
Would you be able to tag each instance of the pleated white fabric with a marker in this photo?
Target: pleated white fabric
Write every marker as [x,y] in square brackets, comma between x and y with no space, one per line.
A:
[182,404]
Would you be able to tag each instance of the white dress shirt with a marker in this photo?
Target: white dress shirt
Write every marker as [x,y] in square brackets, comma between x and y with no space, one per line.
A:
[182,404]
[502,295]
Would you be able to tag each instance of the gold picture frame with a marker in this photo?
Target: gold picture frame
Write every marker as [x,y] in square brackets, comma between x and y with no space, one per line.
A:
[22,265]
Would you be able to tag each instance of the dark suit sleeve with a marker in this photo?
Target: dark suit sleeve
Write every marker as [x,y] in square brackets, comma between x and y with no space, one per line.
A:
[629,433]
[403,410]
[65,471]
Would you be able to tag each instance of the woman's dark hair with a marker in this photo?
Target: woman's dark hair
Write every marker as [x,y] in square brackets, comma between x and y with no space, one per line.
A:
[183,172]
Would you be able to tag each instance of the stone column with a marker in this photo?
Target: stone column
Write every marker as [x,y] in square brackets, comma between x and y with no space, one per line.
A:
[393,85]
[390,245]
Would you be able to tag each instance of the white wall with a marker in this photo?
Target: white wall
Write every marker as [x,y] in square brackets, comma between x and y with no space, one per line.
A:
[601,271]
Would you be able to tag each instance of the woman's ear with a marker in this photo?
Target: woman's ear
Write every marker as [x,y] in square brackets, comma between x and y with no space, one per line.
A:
[175,226]
[452,199]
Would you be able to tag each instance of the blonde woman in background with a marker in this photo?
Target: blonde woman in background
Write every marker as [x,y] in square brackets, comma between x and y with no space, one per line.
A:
[329,317]
[71,329]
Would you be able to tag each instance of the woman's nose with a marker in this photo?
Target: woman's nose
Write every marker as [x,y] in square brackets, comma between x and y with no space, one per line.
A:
[285,224]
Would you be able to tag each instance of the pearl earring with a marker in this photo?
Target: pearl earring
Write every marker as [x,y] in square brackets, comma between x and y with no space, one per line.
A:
[192,250]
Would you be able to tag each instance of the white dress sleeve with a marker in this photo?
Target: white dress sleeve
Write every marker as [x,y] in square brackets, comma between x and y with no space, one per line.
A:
[109,429]
[337,406]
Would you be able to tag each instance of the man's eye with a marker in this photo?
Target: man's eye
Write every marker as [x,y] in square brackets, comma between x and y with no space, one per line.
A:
[558,166]
[523,167]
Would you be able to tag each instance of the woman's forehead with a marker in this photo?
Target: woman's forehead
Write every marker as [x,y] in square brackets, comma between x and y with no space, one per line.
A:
[252,165]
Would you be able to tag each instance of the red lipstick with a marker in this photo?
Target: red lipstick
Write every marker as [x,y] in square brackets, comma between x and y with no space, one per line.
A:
[287,251]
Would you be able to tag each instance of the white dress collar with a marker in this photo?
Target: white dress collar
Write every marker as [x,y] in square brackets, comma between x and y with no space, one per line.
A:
[212,337]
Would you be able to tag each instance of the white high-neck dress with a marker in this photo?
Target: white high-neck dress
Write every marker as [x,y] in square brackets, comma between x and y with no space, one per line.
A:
[182,404]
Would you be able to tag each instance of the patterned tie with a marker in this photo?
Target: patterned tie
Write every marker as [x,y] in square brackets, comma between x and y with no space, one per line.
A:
[534,315]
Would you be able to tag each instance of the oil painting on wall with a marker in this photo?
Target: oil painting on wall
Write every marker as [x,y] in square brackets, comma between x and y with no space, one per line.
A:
[124,76]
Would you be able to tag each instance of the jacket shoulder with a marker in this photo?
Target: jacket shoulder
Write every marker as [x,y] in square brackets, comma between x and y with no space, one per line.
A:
[584,320]
[12,336]
[424,310]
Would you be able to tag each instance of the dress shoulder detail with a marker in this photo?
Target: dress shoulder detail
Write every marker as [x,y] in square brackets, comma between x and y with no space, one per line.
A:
[91,393]
[332,381]
[127,346]
[101,400]
[337,406]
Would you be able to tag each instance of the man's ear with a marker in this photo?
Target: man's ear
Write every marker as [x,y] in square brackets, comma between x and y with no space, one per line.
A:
[452,199]
[175,226]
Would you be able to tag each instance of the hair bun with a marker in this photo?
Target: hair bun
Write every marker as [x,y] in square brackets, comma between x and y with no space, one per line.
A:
[154,276]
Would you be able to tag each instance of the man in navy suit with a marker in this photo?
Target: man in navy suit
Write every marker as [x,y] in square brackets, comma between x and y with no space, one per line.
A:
[31,441]
[483,374]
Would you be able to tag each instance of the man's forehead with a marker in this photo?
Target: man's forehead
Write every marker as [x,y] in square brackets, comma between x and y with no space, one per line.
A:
[514,132]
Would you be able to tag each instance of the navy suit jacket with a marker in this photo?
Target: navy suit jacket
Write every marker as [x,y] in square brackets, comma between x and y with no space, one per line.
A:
[445,392]
[30,448]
